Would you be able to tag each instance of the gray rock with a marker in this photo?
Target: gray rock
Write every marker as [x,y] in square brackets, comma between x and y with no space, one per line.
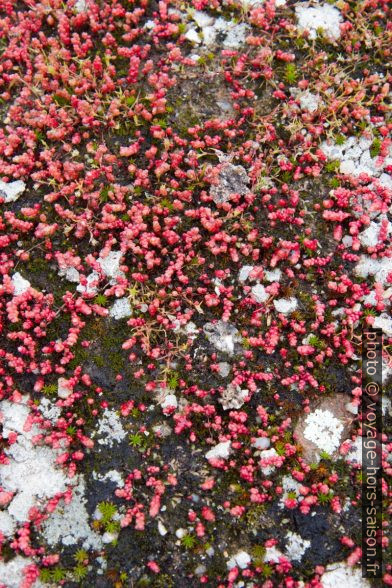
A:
[223,336]
[224,369]
[232,179]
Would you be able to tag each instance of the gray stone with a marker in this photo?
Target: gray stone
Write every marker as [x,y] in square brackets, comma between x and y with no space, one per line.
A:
[223,336]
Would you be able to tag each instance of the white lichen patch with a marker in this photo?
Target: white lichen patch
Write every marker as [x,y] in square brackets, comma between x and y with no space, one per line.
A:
[110,267]
[21,285]
[220,451]
[251,3]
[384,322]
[341,574]
[162,430]
[80,6]
[259,293]
[12,572]
[370,236]
[169,401]
[272,555]
[351,407]
[12,190]
[324,430]
[261,443]
[69,273]
[110,429]
[49,410]
[235,34]
[289,486]
[193,36]
[63,388]
[190,329]
[31,474]
[244,272]
[91,286]
[241,560]
[224,369]
[325,427]
[110,476]
[309,101]
[386,371]
[354,454]
[355,159]
[379,268]
[233,397]
[69,523]
[7,524]
[120,309]
[268,455]
[295,546]
[273,275]
[202,19]
[286,305]
[166,398]
[109,537]
[232,35]
[322,17]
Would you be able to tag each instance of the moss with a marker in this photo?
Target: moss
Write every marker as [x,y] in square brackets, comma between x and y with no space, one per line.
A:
[163,581]
[105,349]
[188,541]
[99,361]
[61,100]
[258,553]
[143,582]
[291,73]
[49,389]
[254,515]
[80,356]
[104,194]
[7,552]
[375,147]
[173,380]
[112,350]
[45,575]
[267,571]
[186,118]
[217,567]
[37,265]
[332,166]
